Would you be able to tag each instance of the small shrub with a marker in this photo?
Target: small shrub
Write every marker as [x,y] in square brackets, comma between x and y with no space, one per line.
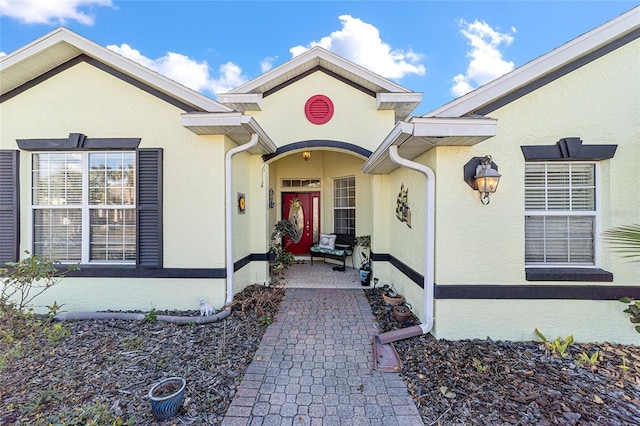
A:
[558,346]
[265,320]
[633,309]
[480,368]
[150,316]
[585,359]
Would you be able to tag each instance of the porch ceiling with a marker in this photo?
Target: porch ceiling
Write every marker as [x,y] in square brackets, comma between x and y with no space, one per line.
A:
[418,136]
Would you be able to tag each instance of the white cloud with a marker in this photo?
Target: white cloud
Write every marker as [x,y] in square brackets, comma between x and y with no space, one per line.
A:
[193,74]
[486,62]
[267,63]
[360,42]
[2,54]
[51,11]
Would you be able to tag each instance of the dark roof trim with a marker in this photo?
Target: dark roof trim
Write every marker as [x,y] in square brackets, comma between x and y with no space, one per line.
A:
[568,149]
[321,69]
[77,141]
[318,144]
[554,75]
[104,67]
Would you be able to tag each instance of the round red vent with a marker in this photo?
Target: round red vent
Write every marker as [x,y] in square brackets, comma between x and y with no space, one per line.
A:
[318,109]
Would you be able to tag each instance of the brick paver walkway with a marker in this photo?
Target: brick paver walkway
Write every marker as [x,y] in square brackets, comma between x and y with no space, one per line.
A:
[314,367]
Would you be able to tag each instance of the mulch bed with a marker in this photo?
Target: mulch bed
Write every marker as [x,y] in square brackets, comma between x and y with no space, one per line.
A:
[110,365]
[107,367]
[502,383]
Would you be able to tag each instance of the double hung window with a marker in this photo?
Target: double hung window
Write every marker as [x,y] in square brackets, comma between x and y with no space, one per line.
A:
[84,206]
[560,214]
[344,205]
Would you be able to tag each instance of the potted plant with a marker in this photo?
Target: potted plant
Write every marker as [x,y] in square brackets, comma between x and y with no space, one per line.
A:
[401,312]
[364,241]
[278,253]
[166,397]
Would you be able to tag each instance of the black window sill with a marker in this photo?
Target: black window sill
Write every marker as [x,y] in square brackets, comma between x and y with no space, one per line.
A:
[568,274]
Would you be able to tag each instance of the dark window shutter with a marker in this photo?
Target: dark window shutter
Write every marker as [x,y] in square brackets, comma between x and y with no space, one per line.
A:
[9,206]
[149,208]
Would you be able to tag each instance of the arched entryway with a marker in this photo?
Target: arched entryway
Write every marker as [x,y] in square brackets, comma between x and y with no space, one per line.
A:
[323,192]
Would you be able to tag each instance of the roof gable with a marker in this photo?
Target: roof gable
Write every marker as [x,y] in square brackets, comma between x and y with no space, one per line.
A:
[555,64]
[62,47]
[389,95]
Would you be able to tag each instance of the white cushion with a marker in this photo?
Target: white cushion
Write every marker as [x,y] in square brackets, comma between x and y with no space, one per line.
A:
[327,241]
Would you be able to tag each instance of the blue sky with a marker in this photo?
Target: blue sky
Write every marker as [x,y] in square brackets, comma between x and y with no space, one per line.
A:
[440,48]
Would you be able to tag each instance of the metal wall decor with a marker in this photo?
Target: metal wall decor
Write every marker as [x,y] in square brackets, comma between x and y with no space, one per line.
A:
[403,213]
[241,203]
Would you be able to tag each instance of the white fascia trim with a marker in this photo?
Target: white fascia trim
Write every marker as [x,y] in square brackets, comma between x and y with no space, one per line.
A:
[232,119]
[395,97]
[241,98]
[544,64]
[462,126]
[316,54]
[117,61]
[400,133]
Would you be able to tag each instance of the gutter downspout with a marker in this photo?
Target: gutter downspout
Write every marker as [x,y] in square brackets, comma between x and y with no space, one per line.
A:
[229,266]
[229,212]
[429,253]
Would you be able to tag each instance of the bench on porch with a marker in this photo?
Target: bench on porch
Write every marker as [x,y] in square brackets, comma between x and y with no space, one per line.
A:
[334,246]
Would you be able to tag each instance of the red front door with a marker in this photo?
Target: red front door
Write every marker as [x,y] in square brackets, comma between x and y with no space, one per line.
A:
[303,209]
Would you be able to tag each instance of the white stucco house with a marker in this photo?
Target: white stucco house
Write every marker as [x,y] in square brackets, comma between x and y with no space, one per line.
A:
[164,195]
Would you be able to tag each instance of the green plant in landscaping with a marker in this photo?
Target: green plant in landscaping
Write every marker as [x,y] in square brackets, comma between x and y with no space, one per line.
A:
[134,343]
[585,359]
[624,366]
[558,346]
[480,368]
[633,309]
[150,316]
[96,414]
[266,320]
[626,239]
[27,279]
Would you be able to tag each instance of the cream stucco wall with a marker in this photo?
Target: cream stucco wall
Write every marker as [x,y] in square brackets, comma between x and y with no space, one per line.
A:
[355,119]
[85,100]
[478,244]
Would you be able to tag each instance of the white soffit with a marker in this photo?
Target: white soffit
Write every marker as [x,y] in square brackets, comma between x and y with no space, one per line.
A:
[416,137]
[545,64]
[61,45]
[235,125]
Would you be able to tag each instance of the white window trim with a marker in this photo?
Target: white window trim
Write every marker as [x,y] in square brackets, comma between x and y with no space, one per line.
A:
[85,212]
[333,199]
[596,223]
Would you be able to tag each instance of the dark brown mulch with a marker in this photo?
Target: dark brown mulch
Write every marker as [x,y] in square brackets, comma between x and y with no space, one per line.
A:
[503,383]
[115,362]
[112,364]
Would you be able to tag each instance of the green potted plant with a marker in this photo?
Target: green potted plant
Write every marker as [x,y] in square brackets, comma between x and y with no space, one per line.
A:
[278,250]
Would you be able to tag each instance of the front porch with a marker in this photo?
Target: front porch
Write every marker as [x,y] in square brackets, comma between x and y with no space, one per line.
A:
[320,275]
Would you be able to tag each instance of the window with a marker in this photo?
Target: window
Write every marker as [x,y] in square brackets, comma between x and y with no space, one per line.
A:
[560,214]
[344,205]
[84,206]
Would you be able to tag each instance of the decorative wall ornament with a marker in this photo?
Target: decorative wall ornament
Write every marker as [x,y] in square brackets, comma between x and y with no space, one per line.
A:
[403,213]
[241,203]
[272,204]
[296,216]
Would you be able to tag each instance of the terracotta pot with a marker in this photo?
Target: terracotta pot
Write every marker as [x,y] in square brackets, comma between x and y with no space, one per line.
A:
[392,300]
[402,313]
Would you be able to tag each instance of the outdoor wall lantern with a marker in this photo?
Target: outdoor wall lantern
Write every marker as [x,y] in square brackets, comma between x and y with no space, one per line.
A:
[481,174]
[306,155]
